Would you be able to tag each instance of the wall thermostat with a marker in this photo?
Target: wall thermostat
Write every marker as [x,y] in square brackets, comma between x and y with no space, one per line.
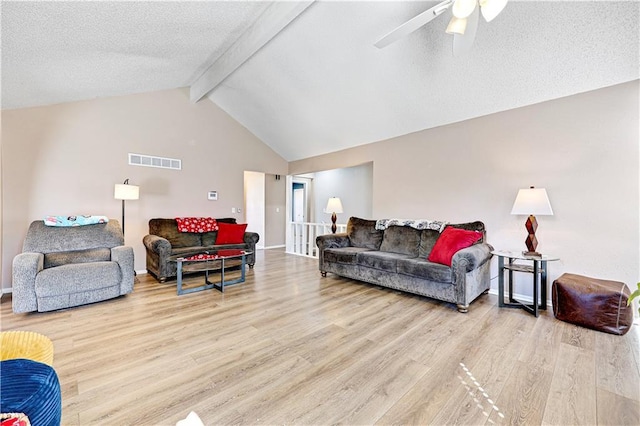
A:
[212,195]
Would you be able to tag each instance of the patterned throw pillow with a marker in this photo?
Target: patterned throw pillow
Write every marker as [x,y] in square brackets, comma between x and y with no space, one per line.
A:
[196,224]
[14,419]
[450,242]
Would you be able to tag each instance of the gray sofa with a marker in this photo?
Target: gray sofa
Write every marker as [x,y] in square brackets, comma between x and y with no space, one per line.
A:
[397,258]
[61,267]
[164,240]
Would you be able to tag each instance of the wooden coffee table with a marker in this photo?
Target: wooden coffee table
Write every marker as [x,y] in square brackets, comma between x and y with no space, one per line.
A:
[206,261]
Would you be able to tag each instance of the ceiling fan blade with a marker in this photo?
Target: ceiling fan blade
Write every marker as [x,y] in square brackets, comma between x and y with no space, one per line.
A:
[462,43]
[413,24]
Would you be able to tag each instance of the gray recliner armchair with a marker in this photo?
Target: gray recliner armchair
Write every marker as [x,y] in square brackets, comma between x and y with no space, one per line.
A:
[61,267]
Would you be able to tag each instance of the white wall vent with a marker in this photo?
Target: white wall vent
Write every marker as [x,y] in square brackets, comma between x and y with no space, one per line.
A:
[152,161]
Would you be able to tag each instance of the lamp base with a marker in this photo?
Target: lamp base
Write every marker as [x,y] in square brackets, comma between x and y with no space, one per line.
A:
[531,253]
[334,227]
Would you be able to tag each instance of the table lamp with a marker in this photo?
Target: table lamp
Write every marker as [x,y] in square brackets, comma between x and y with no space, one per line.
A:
[532,201]
[334,205]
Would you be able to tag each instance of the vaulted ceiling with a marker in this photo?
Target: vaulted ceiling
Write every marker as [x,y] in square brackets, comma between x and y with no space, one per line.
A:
[320,84]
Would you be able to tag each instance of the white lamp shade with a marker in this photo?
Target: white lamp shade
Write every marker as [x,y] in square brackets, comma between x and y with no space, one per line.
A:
[126,192]
[334,205]
[491,8]
[532,201]
[463,8]
[457,26]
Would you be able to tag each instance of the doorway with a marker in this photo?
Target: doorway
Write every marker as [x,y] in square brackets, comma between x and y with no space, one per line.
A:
[299,201]
[254,204]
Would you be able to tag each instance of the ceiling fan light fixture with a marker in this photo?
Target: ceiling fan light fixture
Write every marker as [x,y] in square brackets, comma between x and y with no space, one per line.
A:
[491,8]
[457,26]
[463,8]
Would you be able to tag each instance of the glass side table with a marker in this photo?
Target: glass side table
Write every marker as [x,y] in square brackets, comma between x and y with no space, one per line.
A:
[538,268]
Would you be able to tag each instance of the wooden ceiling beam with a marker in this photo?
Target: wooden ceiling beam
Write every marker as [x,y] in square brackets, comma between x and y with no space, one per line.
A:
[273,20]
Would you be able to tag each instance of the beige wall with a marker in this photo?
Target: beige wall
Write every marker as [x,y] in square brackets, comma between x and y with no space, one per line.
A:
[583,149]
[64,159]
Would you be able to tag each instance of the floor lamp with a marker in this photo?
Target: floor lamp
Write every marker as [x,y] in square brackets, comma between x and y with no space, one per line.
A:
[334,205]
[124,191]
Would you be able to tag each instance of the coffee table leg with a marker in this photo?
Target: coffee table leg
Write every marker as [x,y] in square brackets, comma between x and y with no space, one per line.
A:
[242,268]
[179,274]
[222,276]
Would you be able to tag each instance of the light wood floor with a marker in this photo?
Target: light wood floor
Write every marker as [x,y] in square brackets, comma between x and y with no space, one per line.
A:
[291,347]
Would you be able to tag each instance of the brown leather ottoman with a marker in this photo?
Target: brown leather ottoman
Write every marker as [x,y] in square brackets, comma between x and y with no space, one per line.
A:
[589,302]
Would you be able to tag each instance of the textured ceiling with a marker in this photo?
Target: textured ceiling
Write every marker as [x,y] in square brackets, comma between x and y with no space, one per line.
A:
[320,85]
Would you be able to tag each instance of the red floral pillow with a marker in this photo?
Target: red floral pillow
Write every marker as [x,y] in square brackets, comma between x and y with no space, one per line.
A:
[196,224]
[450,242]
[230,233]
[14,419]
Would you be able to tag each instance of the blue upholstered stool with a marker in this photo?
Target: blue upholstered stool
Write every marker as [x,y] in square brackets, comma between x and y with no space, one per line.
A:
[31,388]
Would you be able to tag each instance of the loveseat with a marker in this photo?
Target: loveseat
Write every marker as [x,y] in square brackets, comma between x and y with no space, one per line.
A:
[165,240]
[397,257]
[61,267]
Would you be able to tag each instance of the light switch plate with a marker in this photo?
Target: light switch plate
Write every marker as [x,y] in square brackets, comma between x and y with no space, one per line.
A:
[212,195]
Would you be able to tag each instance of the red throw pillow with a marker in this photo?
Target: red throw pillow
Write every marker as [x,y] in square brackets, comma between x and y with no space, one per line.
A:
[230,233]
[450,242]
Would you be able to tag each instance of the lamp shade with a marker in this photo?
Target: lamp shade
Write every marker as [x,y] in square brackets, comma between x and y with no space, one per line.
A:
[532,201]
[334,205]
[457,26]
[126,192]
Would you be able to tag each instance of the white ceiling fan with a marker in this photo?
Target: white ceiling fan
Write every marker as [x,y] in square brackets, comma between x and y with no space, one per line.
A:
[463,24]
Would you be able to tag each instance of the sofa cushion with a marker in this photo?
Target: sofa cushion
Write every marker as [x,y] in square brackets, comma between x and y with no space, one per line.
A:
[77,278]
[345,255]
[363,233]
[471,226]
[451,241]
[420,268]
[382,260]
[428,238]
[168,229]
[230,233]
[47,239]
[51,260]
[401,239]
[209,238]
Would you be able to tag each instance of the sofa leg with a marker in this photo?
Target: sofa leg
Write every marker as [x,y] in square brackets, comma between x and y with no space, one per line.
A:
[323,273]
[486,291]
[463,308]
[162,279]
[250,266]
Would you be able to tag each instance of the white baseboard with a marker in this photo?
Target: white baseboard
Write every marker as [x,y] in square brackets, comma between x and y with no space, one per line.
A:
[274,247]
[7,290]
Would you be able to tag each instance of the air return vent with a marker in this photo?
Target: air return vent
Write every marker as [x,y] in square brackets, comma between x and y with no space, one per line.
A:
[152,161]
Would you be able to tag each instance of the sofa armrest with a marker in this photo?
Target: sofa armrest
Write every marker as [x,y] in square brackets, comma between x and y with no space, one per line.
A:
[158,251]
[25,268]
[251,238]
[332,241]
[329,241]
[470,258]
[123,256]
[157,244]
